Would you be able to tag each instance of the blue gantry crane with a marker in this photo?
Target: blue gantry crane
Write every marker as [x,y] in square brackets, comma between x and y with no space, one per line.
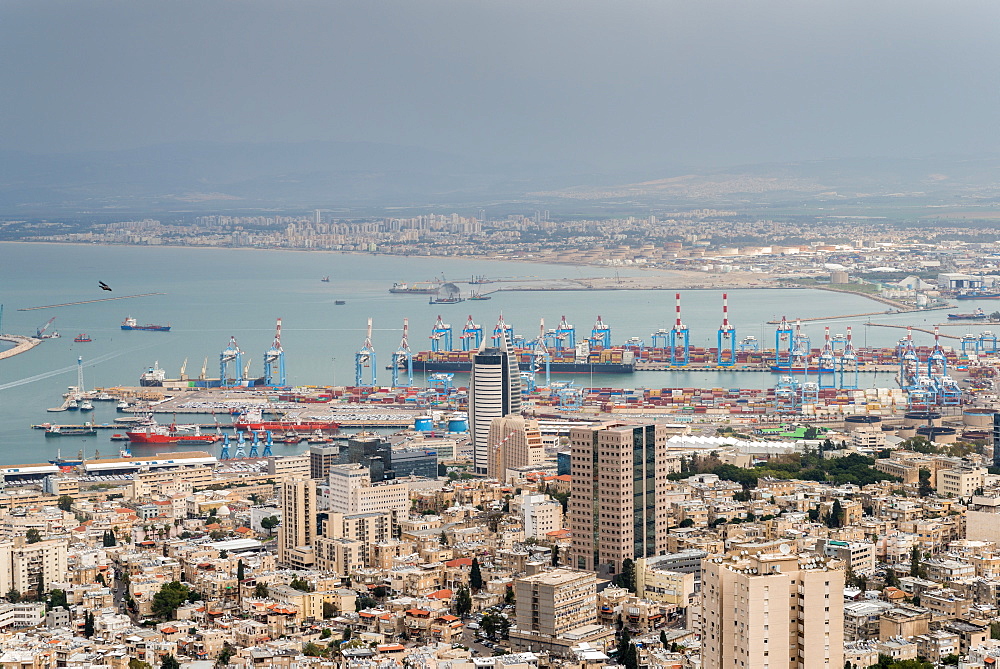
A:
[231,355]
[402,359]
[365,357]
[274,358]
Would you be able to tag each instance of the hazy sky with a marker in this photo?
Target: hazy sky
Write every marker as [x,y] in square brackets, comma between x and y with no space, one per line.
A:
[608,82]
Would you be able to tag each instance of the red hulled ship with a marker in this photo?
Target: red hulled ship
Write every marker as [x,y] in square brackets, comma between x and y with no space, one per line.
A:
[252,420]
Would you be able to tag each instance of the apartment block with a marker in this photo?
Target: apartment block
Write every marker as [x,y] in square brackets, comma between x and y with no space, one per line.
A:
[351,491]
[773,610]
[619,507]
[298,523]
[513,442]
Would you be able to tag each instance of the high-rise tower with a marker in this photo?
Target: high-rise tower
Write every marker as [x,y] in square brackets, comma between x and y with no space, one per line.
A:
[494,392]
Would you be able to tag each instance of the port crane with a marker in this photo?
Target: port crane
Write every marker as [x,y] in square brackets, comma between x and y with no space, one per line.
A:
[275,357]
[502,330]
[726,337]
[441,336]
[826,373]
[403,359]
[231,355]
[680,338]
[472,335]
[783,345]
[600,336]
[365,357]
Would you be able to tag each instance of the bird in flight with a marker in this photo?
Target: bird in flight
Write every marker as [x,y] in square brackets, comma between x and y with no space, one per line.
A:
[103,285]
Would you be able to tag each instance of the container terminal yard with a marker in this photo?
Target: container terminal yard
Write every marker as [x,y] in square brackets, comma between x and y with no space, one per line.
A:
[819,384]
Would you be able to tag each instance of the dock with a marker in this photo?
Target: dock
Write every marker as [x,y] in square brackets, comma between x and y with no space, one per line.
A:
[22,344]
[904,327]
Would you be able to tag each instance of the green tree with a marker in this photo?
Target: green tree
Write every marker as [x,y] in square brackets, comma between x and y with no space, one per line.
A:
[347,633]
[330,610]
[925,488]
[109,539]
[57,598]
[170,596]
[508,595]
[326,633]
[65,502]
[623,644]
[240,571]
[33,536]
[13,596]
[312,650]
[380,592]
[475,576]
[170,662]
[136,663]
[463,601]
[225,655]
[260,590]
[555,555]
[300,584]
[88,624]
[269,524]
[626,578]
[663,639]
[836,517]
[950,659]
[915,568]
[995,630]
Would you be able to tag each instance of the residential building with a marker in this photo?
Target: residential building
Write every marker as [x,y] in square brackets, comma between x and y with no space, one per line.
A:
[960,481]
[554,605]
[745,611]
[298,522]
[351,491]
[513,442]
[494,392]
[618,506]
[23,566]
[540,514]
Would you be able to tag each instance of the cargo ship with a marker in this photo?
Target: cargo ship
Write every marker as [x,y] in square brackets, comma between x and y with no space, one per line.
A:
[131,324]
[978,296]
[152,377]
[977,315]
[152,432]
[778,369]
[71,431]
[252,420]
[424,288]
[569,361]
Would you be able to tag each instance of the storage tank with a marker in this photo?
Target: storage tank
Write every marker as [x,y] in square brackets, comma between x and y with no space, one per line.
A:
[978,417]
[939,435]
[853,423]
[918,418]
[458,423]
[907,431]
[423,424]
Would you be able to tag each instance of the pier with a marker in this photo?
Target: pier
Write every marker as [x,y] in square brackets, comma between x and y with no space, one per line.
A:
[904,327]
[22,344]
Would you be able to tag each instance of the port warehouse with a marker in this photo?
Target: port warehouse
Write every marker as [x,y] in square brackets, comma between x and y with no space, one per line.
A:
[174,462]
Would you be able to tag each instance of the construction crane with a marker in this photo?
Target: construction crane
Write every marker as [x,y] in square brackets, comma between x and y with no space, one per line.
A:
[40,332]
[275,356]
[441,336]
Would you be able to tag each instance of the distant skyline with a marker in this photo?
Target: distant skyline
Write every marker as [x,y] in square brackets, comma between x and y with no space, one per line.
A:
[597,85]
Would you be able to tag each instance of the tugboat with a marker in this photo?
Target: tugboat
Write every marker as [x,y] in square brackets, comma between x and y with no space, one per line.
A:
[326,279]
[82,337]
[86,405]
[86,430]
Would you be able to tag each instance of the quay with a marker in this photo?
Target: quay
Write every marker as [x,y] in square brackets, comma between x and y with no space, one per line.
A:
[23,344]
[904,327]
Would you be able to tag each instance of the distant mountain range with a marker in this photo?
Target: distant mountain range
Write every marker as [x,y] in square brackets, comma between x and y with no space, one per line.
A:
[356,176]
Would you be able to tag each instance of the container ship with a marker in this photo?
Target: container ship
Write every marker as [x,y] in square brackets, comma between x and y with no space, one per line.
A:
[153,433]
[253,421]
[569,361]
[131,324]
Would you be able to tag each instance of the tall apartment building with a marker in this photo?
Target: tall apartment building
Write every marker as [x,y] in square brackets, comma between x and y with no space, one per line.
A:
[773,610]
[321,458]
[351,491]
[513,441]
[618,501]
[298,522]
[494,392]
[23,566]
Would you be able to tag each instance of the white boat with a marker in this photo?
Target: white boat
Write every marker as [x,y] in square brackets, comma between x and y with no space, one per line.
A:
[72,405]
[86,405]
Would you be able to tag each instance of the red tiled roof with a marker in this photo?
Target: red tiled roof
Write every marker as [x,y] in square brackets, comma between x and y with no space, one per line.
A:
[459,562]
[441,594]
[418,612]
